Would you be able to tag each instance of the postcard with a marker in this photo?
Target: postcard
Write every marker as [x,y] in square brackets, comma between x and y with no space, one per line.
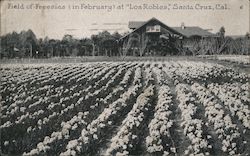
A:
[134,77]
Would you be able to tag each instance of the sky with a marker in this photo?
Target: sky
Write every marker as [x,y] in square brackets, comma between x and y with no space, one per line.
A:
[82,18]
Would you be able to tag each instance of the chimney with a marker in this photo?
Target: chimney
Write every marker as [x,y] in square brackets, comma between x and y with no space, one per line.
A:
[182,25]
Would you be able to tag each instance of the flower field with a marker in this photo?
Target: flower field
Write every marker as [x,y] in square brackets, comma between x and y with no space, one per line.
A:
[124,108]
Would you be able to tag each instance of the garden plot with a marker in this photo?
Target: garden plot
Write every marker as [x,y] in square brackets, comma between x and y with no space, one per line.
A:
[124,108]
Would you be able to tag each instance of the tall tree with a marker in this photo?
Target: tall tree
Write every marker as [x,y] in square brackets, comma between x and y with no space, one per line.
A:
[222,32]
[29,41]
[221,41]
[67,44]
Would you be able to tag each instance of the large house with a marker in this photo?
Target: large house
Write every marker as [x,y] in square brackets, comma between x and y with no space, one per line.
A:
[145,37]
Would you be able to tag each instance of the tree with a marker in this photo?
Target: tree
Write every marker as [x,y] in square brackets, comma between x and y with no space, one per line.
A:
[105,43]
[44,46]
[103,40]
[116,35]
[85,47]
[29,41]
[52,44]
[222,32]
[11,45]
[220,41]
[68,43]
[95,43]
[247,35]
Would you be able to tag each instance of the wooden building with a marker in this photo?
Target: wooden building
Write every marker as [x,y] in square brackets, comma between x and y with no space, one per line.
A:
[146,37]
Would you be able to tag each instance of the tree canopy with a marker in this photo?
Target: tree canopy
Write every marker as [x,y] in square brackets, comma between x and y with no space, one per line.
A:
[26,44]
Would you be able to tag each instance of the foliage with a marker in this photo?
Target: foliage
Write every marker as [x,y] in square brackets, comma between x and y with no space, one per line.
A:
[26,45]
[220,44]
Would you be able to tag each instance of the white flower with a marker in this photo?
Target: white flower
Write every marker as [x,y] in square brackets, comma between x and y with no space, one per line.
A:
[6,143]
[72,144]
[95,136]
[173,149]
[166,153]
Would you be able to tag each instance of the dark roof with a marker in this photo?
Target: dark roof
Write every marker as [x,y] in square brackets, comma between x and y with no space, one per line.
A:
[193,31]
[135,24]
[187,31]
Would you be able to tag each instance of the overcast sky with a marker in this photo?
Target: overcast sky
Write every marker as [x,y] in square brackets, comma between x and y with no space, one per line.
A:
[82,22]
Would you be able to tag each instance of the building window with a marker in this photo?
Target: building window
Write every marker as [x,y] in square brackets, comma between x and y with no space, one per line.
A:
[155,28]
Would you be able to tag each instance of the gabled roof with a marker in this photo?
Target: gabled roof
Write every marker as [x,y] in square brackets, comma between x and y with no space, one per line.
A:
[193,31]
[187,31]
[142,24]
